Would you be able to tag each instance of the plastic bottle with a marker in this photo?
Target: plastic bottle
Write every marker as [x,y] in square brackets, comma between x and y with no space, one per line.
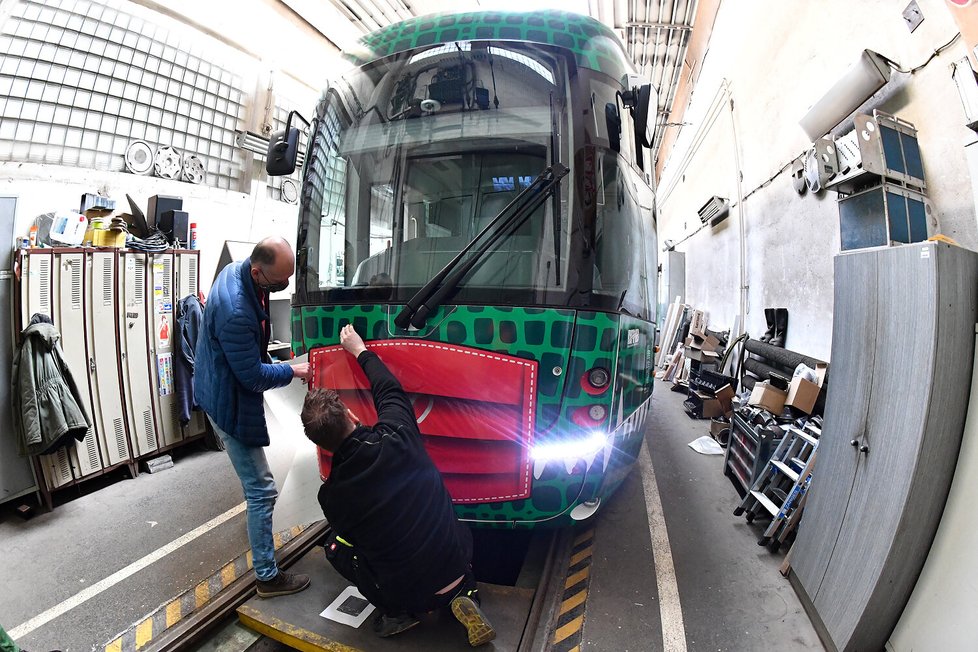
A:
[32,236]
[193,235]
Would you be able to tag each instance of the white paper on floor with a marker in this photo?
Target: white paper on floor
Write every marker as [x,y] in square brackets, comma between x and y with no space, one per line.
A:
[706,445]
[292,458]
[349,608]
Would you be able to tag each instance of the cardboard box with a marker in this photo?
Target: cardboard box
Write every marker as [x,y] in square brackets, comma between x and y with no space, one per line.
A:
[725,395]
[699,355]
[703,406]
[703,342]
[803,393]
[697,323]
[768,397]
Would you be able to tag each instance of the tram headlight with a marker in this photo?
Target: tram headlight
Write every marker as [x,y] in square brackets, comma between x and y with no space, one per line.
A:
[571,448]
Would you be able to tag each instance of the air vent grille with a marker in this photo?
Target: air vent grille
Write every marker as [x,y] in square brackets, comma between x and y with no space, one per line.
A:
[120,438]
[140,290]
[192,276]
[714,211]
[76,284]
[148,434]
[107,293]
[44,276]
[91,447]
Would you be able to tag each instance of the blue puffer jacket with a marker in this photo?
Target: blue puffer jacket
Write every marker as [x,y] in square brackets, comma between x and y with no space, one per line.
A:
[230,373]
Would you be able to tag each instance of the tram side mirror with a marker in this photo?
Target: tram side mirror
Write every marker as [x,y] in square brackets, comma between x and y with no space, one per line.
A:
[646,103]
[283,150]
[613,119]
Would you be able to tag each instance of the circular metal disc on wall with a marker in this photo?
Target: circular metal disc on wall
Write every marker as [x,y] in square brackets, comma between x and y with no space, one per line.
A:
[139,157]
[812,179]
[290,191]
[798,176]
[168,163]
[193,169]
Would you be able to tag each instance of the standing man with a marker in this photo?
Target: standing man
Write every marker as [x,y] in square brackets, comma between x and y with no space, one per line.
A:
[233,368]
[394,531]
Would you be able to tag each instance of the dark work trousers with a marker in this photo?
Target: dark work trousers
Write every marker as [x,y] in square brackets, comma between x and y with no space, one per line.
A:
[344,558]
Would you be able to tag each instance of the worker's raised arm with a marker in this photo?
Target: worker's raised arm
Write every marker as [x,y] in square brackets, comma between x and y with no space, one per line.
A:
[390,400]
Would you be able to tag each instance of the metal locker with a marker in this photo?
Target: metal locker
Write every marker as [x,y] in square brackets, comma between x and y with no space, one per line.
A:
[56,468]
[134,352]
[102,342]
[188,263]
[69,318]
[35,286]
[36,290]
[162,331]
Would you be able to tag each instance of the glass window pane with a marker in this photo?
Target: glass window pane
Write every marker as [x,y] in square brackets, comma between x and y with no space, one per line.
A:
[73,138]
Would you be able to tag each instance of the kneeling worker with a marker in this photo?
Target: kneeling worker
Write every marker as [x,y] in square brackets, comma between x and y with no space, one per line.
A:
[394,531]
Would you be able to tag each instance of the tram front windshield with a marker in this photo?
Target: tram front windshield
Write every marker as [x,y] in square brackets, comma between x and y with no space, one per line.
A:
[412,156]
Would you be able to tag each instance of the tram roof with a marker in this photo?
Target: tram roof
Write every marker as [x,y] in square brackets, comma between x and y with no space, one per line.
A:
[593,44]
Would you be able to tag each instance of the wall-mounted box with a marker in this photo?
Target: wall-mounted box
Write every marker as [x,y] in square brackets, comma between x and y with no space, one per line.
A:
[881,216]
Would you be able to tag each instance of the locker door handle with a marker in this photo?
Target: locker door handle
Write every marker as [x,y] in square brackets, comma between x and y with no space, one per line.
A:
[854,443]
[864,449]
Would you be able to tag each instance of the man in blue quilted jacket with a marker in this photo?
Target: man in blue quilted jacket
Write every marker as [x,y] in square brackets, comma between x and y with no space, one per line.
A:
[233,369]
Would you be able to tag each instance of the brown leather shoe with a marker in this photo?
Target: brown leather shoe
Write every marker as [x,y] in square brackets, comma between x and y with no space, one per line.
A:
[282,584]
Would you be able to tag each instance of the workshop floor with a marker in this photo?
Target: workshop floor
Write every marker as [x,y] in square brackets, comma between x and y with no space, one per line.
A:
[76,577]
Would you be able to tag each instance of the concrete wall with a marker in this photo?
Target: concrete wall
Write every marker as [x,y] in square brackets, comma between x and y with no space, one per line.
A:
[773,60]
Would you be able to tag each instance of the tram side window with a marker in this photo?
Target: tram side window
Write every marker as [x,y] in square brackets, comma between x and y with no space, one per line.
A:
[620,255]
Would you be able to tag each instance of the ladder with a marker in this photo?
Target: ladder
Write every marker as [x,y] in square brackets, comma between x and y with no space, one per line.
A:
[781,488]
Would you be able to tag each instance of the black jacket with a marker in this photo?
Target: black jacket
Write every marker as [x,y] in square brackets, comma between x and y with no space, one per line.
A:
[385,496]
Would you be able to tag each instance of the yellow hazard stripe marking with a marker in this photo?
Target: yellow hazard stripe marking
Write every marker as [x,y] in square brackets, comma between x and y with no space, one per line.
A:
[569,629]
[578,581]
[581,556]
[283,632]
[202,593]
[180,608]
[228,574]
[144,633]
[173,613]
[577,577]
[573,601]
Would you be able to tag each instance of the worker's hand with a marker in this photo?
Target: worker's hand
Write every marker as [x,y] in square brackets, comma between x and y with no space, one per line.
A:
[301,370]
[351,341]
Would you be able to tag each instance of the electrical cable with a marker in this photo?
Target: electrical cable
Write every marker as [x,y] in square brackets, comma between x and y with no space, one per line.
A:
[155,242]
[893,64]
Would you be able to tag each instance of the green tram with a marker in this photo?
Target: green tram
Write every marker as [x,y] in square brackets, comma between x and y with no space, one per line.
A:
[476,201]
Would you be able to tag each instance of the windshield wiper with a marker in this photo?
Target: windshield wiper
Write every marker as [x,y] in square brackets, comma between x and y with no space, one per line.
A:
[428,298]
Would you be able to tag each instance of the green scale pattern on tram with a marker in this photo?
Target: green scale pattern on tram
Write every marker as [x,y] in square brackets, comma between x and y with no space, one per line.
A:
[539,334]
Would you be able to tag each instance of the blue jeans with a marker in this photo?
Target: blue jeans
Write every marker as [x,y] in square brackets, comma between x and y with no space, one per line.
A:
[260,493]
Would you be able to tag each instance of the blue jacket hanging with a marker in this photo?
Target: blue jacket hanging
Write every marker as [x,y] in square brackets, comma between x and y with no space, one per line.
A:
[190,312]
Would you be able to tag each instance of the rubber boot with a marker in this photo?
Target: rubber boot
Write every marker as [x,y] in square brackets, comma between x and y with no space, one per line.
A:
[780,327]
[769,333]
